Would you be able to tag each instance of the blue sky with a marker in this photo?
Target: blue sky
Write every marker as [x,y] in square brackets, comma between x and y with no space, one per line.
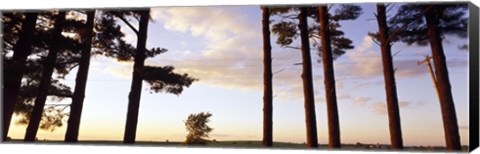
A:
[222,46]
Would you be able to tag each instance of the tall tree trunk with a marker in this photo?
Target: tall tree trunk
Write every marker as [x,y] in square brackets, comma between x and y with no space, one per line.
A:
[267,79]
[389,77]
[81,82]
[449,115]
[329,75]
[45,82]
[307,79]
[13,77]
[136,87]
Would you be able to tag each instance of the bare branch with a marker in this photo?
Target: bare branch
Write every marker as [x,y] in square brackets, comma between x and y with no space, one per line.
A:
[292,47]
[281,70]
[396,53]
[375,41]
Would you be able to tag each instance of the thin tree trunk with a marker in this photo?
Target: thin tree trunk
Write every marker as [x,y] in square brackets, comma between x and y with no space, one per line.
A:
[307,79]
[13,77]
[267,79]
[389,77]
[449,115]
[81,82]
[136,87]
[45,82]
[329,75]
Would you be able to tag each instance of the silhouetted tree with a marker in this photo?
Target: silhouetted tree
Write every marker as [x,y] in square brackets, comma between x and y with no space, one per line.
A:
[81,80]
[383,37]
[136,87]
[198,129]
[16,68]
[49,66]
[160,78]
[427,24]
[267,79]
[51,118]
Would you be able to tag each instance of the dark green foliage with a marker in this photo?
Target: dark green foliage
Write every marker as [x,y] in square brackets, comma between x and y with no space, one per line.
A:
[163,79]
[287,30]
[409,25]
[196,125]
[346,12]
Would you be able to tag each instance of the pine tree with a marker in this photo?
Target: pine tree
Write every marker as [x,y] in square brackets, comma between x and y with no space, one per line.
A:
[425,24]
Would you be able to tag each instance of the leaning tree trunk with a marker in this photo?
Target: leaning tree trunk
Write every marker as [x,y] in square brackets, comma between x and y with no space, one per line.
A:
[45,81]
[331,98]
[449,116]
[136,87]
[81,82]
[307,79]
[389,77]
[13,76]
[267,79]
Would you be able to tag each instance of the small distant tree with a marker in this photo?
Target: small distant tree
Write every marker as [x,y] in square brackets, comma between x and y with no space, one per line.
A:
[197,128]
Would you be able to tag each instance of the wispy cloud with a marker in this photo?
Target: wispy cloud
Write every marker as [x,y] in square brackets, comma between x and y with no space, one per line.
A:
[381,107]
[364,62]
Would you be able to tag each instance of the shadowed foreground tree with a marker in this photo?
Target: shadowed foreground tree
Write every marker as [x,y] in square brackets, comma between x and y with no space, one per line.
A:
[307,78]
[198,129]
[345,12]
[45,82]
[53,114]
[383,37]
[425,24]
[73,126]
[267,79]
[107,41]
[13,76]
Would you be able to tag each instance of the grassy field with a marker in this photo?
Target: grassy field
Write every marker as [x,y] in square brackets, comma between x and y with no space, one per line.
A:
[243,144]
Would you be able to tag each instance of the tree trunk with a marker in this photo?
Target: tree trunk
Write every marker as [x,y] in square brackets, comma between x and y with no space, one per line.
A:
[136,87]
[331,98]
[307,79]
[81,82]
[389,77]
[45,82]
[449,116]
[267,80]
[13,77]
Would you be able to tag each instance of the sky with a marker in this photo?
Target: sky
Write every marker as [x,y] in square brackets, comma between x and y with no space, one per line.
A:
[222,47]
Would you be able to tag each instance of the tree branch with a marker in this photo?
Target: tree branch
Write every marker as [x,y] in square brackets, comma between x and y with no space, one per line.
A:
[61,95]
[127,23]
[292,47]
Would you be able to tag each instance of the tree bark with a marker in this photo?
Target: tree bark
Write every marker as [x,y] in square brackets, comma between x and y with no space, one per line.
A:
[307,79]
[136,87]
[329,80]
[267,80]
[449,116]
[13,77]
[45,82]
[81,82]
[389,77]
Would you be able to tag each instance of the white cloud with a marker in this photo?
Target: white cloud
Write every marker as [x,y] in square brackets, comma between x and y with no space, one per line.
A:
[363,62]
[233,54]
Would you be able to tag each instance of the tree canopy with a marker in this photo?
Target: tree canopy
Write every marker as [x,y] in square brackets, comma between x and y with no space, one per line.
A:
[197,127]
